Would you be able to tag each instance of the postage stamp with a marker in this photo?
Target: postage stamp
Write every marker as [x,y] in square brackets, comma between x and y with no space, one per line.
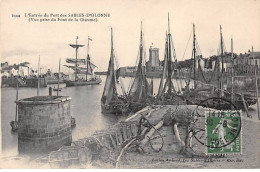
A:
[223,132]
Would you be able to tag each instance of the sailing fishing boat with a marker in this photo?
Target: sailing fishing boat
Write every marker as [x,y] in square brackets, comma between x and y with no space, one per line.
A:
[82,67]
[199,91]
[214,87]
[139,92]
[111,102]
[167,93]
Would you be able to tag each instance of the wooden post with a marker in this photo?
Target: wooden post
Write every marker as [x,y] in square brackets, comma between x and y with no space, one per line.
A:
[244,103]
[256,85]
[16,107]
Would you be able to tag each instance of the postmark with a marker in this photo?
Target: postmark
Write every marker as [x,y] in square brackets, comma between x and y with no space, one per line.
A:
[223,131]
[217,128]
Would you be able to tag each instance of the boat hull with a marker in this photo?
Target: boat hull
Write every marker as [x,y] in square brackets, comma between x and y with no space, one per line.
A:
[111,109]
[238,103]
[81,83]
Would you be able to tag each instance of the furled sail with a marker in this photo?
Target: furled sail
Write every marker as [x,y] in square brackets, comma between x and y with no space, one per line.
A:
[110,85]
[164,74]
[81,70]
[79,61]
[139,88]
[166,79]
[76,45]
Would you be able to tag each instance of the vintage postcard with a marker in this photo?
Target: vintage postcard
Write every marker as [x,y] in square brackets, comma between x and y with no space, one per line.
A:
[130,84]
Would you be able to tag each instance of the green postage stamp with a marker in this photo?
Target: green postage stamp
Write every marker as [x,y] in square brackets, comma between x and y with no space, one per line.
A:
[223,131]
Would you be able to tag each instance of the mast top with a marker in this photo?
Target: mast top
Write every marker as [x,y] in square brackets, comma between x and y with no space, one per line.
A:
[168,23]
[111,38]
[76,45]
[221,36]
[194,31]
[141,36]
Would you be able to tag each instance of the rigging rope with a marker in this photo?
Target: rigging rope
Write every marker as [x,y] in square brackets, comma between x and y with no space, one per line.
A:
[121,81]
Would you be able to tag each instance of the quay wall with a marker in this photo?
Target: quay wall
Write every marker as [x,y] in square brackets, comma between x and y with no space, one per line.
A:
[43,126]
[9,82]
[33,82]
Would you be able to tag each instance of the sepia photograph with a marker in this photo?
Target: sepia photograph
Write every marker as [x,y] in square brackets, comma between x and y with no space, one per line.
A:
[130,84]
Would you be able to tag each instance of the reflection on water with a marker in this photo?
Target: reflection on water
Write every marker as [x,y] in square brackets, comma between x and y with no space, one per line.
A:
[85,107]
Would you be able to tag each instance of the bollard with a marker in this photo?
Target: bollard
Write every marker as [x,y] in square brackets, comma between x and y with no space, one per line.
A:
[50,91]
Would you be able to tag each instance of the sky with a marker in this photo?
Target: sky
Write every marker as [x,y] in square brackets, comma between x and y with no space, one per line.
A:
[22,40]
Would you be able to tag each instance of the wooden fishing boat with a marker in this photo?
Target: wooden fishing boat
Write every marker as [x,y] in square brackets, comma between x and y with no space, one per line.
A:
[57,89]
[83,67]
[140,93]
[111,102]
[167,93]
[215,85]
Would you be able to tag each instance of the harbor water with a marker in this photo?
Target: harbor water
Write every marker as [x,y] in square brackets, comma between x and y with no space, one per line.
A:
[85,107]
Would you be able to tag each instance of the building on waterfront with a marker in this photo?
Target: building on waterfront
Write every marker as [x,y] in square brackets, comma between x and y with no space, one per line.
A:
[10,70]
[188,64]
[246,64]
[22,69]
[227,62]
[4,65]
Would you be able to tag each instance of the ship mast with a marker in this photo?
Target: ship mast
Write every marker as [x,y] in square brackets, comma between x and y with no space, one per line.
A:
[168,65]
[16,106]
[113,62]
[169,59]
[76,46]
[110,90]
[138,89]
[194,55]
[142,72]
[76,63]
[222,60]
[141,54]
[232,72]
[87,60]
[58,81]
[38,86]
